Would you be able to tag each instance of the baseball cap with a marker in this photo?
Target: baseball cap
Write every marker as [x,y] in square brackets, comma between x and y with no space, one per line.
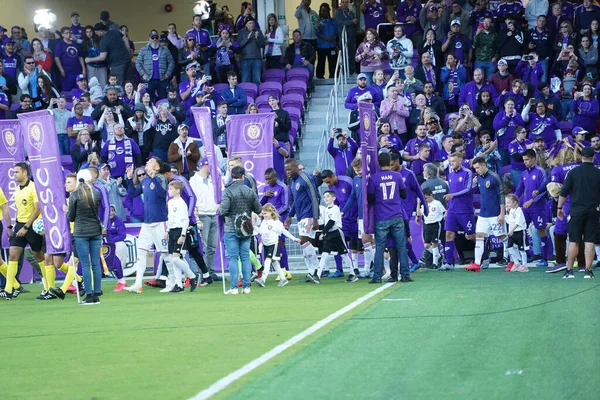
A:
[502,61]
[104,16]
[191,65]
[80,77]
[339,134]
[10,40]
[100,27]
[74,13]
[587,152]
[361,76]
[190,36]
[365,96]
[101,166]
[579,130]
[2,28]
[181,126]
[203,161]
[164,38]
[153,33]
[271,96]
[455,22]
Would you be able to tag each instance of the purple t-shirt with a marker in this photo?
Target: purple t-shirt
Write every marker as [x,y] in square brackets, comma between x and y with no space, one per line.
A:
[297,55]
[374,15]
[10,65]
[78,125]
[155,64]
[386,186]
[69,56]
[78,31]
[516,147]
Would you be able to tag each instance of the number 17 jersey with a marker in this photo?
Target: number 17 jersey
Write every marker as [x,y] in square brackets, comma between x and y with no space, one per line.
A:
[386,186]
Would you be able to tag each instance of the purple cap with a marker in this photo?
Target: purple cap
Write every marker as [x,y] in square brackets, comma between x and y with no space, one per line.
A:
[81,77]
[203,161]
[190,36]
[2,28]
[579,130]
[101,166]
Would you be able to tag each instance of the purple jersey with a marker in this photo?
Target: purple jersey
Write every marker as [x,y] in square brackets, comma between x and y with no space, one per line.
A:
[69,56]
[120,154]
[78,31]
[544,126]
[374,15]
[405,10]
[413,192]
[190,101]
[386,186]
[343,191]
[532,180]
[516,147]
[10,65]
[460,185]
[413,147]
[505,128]
[280,199]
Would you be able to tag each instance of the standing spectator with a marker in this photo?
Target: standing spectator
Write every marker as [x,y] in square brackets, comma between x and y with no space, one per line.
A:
[246,11]
[165,132]
[407,13]
[301,54]
[485,111]
[566,38]
[541,123]
[234,95]
[225,48]
[202,37]
[28,78]
[173,37]
[120,152]
[372,55]
[61,116]
[238,201]
[11,62]
[283,124]
[589,54]
[505,123]
[273,42]
[345,18]
[538,40]
[533,11]
[395,110]
[184,152]
[430,19]
[139,128]
[432,100]
[484,44]
[452,77]
[434,47]
[106,21]
[400,49]
[90,49]
[585,109]
[530,70]
[155,65]
[458,43]
[114,50]
[87,234]
[68,59]
[251,41]
[46,92]
[551,101]
[107,123]
[130,46]
[77,29]
[327,35]
[113,102]
[375,13]
[78,123]
[307,19]
[357,91]
[114,189]
[471,90]
[40,56]
[511,42]
[584,15]
[22,45]
[83,147]
[502,80]
[345,151]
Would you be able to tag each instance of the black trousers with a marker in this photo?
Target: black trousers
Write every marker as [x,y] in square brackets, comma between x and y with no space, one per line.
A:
[323,54]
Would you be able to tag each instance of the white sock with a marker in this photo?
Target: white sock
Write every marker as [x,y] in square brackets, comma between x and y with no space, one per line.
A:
[140,267]
[278,269]
[386,265]
[369,256]
[159,267]
[478,250]
[184,267]
[354,260]
[514,254]
[523,257]
[323,263]
[266,269]
[436,254]
[310,256]
[173,272]
[505,248]
[347,261]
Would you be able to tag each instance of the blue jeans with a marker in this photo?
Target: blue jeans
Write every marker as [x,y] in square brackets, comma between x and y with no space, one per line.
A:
[516,176]
[157,89]
[545,66]
[89,247]
[251,70]
[567,109]
[64,144]
[238,249]
[488,68]
[504,158]
[394,228]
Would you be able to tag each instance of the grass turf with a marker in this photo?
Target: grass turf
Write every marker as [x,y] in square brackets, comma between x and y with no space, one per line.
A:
[461,335]
[156,345]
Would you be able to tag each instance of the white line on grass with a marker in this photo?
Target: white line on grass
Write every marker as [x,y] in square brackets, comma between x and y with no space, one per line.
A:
[252,365]
[396,300]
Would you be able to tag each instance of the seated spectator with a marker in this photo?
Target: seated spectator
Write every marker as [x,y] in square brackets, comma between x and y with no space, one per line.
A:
[184,152]
[251,41]
[224,48]
[355,92]
[41,57]
[372,55]
[551,101]
[400,47]
[90,48]
[155,65]
[120,152]
[139,128]
[327,35]
[82,87]
[112,102]
[273,42]
[107,123]
[61,117]
[83,147]
[234,95]
[68,59]
[453,77]
[300,54]
[78,123]
[46,92]
[502,79]
[385,128]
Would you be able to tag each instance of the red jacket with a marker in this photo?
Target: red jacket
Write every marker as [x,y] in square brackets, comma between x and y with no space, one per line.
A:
[501,83]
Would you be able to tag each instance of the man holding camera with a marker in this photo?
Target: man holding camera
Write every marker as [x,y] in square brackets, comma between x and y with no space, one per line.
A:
[112,101]
[430,19]
[345,151]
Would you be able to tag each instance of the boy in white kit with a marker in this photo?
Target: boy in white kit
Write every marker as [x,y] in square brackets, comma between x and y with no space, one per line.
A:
[333,239]
[432,226]
[177,224]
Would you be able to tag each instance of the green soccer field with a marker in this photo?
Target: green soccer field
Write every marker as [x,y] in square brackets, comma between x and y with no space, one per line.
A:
[455,335]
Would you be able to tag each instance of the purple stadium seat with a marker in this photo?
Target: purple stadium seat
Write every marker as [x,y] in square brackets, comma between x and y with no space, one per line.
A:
[296,86]
[66,162]
[250,88]
[566,127]
[504,170]
[295,115]
[270,89]
[274,75]
[220,86]
[15,106]
[292,100]
[249,100]
[297,74]
[263,101]
[69,105]
[264,109]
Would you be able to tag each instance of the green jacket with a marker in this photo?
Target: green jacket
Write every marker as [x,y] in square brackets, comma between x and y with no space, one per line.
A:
[485,46]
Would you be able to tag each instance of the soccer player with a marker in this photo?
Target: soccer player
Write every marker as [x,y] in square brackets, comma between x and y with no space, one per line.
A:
[459,212]
[28,209]
[154,189]
[386,190]
[333,238]
[532,189]
[177,224]
[491,213]
[305,207]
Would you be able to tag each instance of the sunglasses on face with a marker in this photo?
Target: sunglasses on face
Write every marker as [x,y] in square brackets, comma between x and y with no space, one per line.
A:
[141,174]
[30,62]
[153,37]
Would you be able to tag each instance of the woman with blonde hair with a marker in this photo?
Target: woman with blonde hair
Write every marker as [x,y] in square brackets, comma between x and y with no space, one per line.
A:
[83,147]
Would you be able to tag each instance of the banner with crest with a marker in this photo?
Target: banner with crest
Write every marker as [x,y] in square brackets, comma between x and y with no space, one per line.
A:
[11,152]
[250,136]
[41,143]
[368,151]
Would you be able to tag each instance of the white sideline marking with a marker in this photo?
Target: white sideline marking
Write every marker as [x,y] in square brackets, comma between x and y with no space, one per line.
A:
[396,300]
[246,369]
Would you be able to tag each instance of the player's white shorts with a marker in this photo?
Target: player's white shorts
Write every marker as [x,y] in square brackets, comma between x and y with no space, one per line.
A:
[153,234]
[305,228]
[361,228]
[490,226]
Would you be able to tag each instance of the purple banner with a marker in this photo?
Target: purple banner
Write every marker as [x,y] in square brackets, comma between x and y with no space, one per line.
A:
[203,119]
[250,136]
[11,152]
[41,142]
[368,151]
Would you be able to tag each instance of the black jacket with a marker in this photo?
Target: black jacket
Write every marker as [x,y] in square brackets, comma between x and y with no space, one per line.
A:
[284,124]
[11,85]
[126,112]
[306,50]
[79,156]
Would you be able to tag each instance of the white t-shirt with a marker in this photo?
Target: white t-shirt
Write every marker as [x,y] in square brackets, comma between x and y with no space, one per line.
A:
[178,214]
[516,217]
[332,213]
[436,212]
[270,230]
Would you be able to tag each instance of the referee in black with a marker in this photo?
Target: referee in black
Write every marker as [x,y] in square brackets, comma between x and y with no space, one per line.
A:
[583,185]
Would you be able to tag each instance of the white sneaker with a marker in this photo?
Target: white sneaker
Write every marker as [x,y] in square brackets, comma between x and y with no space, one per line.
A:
[134,289]
[232,291]
[167,289]
[260,282]
[246,290]
[283,282]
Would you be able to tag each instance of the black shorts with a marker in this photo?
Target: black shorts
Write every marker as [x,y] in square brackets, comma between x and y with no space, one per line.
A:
[272,252]
[334,242]
[173,246]
[583,227]
[35,241]
[432,233]
[519,239]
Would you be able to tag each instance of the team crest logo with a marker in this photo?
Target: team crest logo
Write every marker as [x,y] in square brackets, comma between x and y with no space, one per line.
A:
[533,177]
[343,190]
[367,123]
[297,186]
[460,178]
[10,141]
[36,136]
[105,250]
[487,184]
[252,135]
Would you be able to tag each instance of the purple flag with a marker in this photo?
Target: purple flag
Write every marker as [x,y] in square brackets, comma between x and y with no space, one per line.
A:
[11,152]
[39,135]
[250,136]
[368,151]
[203,120]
